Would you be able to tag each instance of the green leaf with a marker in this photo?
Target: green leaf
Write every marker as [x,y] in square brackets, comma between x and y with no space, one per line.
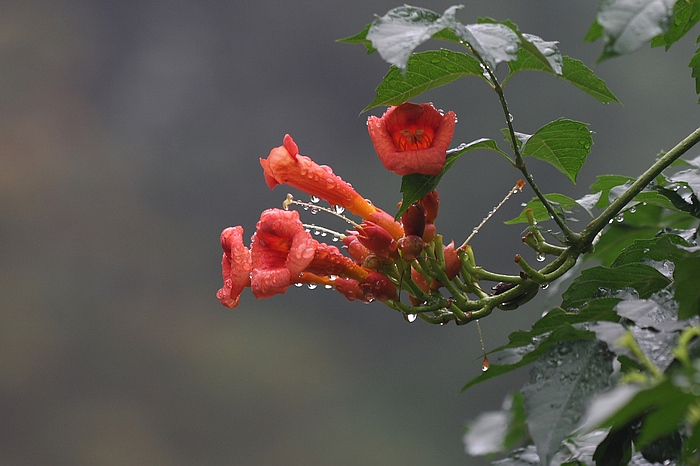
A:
[664,247]
[595,310]
[397,34]
[360,38]
[493,42]
[496,431]
[561,383]
[604,184]
[563,143]
[686,14]
[424,71]
[521,354]
[695,66]
[562,204]
[572,70]
[629,24]
[626,403]
[687,292]
[594,33]
[583,77]
[601,281]
[414,187]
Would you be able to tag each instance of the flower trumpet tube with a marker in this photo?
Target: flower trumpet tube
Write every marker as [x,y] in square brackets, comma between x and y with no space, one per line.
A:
[284,165]
[283,253]
[282,249]
[236,265]
[412,138]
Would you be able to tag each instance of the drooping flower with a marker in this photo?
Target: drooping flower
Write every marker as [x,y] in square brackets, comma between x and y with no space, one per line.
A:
[236,266]
[285,165]
[282,250]
[412,138]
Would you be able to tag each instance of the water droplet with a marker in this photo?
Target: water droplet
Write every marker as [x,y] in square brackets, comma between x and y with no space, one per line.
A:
[620,218]
[510,117]
[312,286]
[338,209]
[298,285]
[317,232]
[314,199]
[485,364]
[335,239]
[306,207]
[541,257]
[410,317]
[610,221]
[328,287]
[314,211]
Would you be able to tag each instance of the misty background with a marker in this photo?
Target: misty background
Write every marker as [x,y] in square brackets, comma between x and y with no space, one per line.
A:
[130,134]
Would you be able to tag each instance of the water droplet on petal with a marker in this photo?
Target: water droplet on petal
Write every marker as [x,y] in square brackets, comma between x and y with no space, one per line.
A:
[312,286]
[298,285]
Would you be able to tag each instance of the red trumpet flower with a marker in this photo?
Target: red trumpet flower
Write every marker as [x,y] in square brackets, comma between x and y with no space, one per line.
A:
[412,138]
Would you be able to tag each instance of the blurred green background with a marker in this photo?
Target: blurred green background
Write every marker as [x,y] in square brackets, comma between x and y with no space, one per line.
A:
[130,136]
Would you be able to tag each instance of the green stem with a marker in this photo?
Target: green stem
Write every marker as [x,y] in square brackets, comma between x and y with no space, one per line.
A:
[588,234]
[519,161]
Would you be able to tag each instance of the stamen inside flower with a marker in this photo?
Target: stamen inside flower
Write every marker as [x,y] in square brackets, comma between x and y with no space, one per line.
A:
[413,137]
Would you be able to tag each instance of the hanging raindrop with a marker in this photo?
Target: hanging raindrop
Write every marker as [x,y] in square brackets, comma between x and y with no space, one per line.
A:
[314,199]
[541,257]
[485,364]
[410,317]
[312,286]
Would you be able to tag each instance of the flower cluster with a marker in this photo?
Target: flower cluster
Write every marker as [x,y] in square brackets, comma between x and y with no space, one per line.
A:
[382,253]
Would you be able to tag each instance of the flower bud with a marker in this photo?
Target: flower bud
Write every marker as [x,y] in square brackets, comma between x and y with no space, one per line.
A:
[413,220]
[431,204]
[411,246]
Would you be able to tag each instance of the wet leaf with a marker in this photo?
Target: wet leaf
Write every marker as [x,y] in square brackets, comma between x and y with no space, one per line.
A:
[563,143]
[629,24]
[664,247]
[397,34]
[603,281]
[604,184]
[494,43]
[424,71]
[561,383]
[508,358]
